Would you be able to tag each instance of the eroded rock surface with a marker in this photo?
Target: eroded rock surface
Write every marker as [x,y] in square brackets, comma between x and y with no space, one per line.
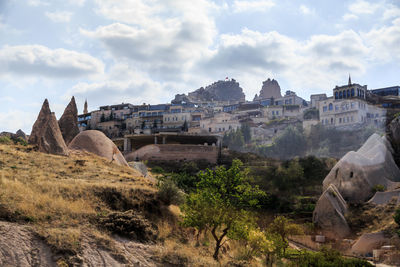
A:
[96,142]
[20,247]
[270,89]
[369,241]
[46,134]
[69,122]
[329,213]
[358,172]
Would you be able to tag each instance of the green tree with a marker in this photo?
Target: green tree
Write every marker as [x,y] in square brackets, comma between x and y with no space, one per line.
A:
[291,143]
[245,129]
[111,116]
[221,204]
[283,227]
[102,118]
[185,126]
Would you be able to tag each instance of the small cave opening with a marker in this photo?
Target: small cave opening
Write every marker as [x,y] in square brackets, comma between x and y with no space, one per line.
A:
[351,174]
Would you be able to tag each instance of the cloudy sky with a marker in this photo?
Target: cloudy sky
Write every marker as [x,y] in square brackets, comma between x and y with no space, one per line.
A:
[149,50]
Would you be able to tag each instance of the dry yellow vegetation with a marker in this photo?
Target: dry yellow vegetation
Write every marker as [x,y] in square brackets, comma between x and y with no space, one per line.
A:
[60,195]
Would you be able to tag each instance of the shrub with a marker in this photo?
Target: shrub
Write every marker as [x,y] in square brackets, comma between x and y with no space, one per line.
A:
[20,141]
[396,217]
[157,169]
[169,193]
[5,140]
[378,188]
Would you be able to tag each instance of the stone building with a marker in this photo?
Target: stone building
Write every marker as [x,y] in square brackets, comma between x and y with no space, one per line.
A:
[348,107]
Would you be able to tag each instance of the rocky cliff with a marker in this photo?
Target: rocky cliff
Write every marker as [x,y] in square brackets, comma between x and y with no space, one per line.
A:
[270,89]
[218,91]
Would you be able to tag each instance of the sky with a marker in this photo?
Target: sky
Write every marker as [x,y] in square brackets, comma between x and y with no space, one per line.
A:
[146,51]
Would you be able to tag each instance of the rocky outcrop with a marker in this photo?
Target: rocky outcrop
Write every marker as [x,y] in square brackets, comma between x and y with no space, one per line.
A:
[383,198]
[46,134]
[358,172]
[368,242]
[218,91]
[21,134]
[69,122]
[393,134]
[270,89]
[329,213]
[98,143]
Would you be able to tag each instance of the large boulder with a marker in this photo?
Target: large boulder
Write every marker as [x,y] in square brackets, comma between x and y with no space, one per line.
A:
[368,242]
[329,213]
[393,133]
[98,143]
[46,134]
[358,172]
[69,122]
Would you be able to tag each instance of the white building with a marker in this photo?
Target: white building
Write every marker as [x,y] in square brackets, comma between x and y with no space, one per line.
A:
[220,123]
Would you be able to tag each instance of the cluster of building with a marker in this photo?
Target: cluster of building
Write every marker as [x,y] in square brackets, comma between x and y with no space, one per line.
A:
[350,105]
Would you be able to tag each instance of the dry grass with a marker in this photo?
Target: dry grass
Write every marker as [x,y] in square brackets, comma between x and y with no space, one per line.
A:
[61,195]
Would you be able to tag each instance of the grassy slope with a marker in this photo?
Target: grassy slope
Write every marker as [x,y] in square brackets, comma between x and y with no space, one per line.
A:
[64,201]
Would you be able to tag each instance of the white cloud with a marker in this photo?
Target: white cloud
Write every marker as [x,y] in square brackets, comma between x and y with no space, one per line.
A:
[59,16]
[37,3]
[122,83]
[39,60]
[349,16]
[385,42]
[252,6]
[77,2]
[391,11]
[306,10]
[13,120]
[363,7]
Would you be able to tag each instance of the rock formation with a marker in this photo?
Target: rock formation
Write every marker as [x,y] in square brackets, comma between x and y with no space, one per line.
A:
[218,91]
[46,134]
[69,122]
[329,213]
[98,143]
[270,89]
[358,172]
[393,134]
[369,241]
[21,134]
[382,198]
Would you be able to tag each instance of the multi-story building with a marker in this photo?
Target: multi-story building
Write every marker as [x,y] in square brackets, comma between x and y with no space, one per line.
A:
[348,106]
[219,123]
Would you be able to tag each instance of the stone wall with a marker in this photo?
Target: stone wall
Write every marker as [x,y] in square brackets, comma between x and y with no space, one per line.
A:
[175,153]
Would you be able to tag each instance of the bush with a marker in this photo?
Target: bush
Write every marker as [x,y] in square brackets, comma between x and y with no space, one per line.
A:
[169,193]
[327,258]
[396,217]
[20,141]
[157,169]
[378,188]
[5,140]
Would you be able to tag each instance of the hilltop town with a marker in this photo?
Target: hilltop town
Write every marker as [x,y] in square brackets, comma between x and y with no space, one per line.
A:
[221,108]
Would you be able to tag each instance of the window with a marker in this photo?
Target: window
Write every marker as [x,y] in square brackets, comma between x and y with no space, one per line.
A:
[352,92]
[336,107]
[336,95]
[340,120]
[331,120]
[277,112]
[325,108]
[340,95]
[330,106]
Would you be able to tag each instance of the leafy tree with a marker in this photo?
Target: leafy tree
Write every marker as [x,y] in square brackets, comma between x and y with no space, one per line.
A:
[291,143]
[102,118]
[246,132]
[283,227]
[221,203]
[258,244]
[111,116]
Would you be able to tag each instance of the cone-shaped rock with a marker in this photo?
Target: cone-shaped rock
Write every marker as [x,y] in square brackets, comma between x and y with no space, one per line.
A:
[329,213]
[69,122]
[98,143]
[46,134]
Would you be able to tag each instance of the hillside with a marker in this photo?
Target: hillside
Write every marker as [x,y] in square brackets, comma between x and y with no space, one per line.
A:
[82,209]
